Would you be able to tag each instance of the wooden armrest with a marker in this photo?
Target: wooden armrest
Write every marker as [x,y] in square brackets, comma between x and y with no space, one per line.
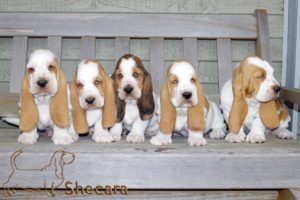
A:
[290,94]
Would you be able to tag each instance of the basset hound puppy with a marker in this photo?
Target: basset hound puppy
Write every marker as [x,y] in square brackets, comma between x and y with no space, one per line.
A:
[135,100]
[93,101]
[184,107]
[44,100]
[250,100]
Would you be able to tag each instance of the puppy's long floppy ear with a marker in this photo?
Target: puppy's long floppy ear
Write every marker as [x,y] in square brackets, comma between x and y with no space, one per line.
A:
[167,111]
[119,102]
[59,103]
[146,102]
[268,114]
[79,115]
[109,109]
[239,108]
[196,121]
[29,113]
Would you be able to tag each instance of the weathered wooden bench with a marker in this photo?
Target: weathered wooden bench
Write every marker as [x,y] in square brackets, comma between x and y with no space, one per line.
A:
[219,166]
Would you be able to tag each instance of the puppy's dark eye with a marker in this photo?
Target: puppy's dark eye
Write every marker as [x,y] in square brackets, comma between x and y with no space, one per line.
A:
[135,75]
[30,70]
[260,76]
[175,82]
[97,82]
[193,80]
[79,85]
[51,67]
[120,76]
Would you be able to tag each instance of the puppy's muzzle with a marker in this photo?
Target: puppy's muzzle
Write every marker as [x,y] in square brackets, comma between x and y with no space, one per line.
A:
[42,83]
[187,95]
[90,100]
[276,88]
[128,89]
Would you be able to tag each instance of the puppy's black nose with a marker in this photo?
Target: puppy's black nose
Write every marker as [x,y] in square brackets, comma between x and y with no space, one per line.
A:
[128,89]
[90,100]
[187,95]
[42,83]
[276,88]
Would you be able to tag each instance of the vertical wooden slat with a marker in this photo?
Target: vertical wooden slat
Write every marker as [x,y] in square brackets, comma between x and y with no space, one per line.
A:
[88,48]
[157,70]
[18,63]
[54,45]
[121,46]
[263,38]
[224,61]
[190,51]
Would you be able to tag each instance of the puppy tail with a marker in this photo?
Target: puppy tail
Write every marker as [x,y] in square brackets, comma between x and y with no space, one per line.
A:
[11,121]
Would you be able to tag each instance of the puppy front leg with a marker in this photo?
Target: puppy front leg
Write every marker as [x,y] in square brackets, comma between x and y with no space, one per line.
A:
[61,136]
[29,137]
[101,134]
[137,133]
[236,137]
[196,138]
[116,131]
[257,132]
[161,139]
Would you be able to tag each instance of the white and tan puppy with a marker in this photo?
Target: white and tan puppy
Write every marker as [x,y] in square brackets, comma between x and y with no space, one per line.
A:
[93,101]
[250,100]
[44,100]
[183,106]
[135,100]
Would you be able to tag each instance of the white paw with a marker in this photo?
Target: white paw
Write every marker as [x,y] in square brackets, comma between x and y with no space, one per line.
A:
[116,131]
[161,139]
[102,137]
[235,137]
[283,133]
[253,137]
[196,139]
[75,137]
[28,138]
[134,137]
[62,137]
[217,134]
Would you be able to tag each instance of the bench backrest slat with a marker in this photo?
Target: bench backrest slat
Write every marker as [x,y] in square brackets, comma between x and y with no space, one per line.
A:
[157,69]
[224,61]
[190,51]
[54,45]
[121,46]
[19,52]
[88,47]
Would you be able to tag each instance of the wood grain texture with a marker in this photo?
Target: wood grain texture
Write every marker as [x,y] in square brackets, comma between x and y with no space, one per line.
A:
[141,25]
[88,48]
[144,166]
[158,195]
[157,69]
[121,46]
[224,61]
[18,63]
[263,40]
[54,45]
[190,51]
[143,6]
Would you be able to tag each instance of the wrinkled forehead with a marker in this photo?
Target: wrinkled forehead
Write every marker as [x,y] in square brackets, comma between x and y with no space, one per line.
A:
[87,71]
[261,64]
[183,70]
[40,58]
[127,65]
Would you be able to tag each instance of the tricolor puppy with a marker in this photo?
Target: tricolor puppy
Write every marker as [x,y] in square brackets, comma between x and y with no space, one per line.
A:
[183,106]
[250,101]
[93,101]
[135,99]
[44,100]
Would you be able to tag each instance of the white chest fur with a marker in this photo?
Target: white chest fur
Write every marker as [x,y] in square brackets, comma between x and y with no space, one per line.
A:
[131,112]
[181,118]
[93,116]
[253,111]
[43,105]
